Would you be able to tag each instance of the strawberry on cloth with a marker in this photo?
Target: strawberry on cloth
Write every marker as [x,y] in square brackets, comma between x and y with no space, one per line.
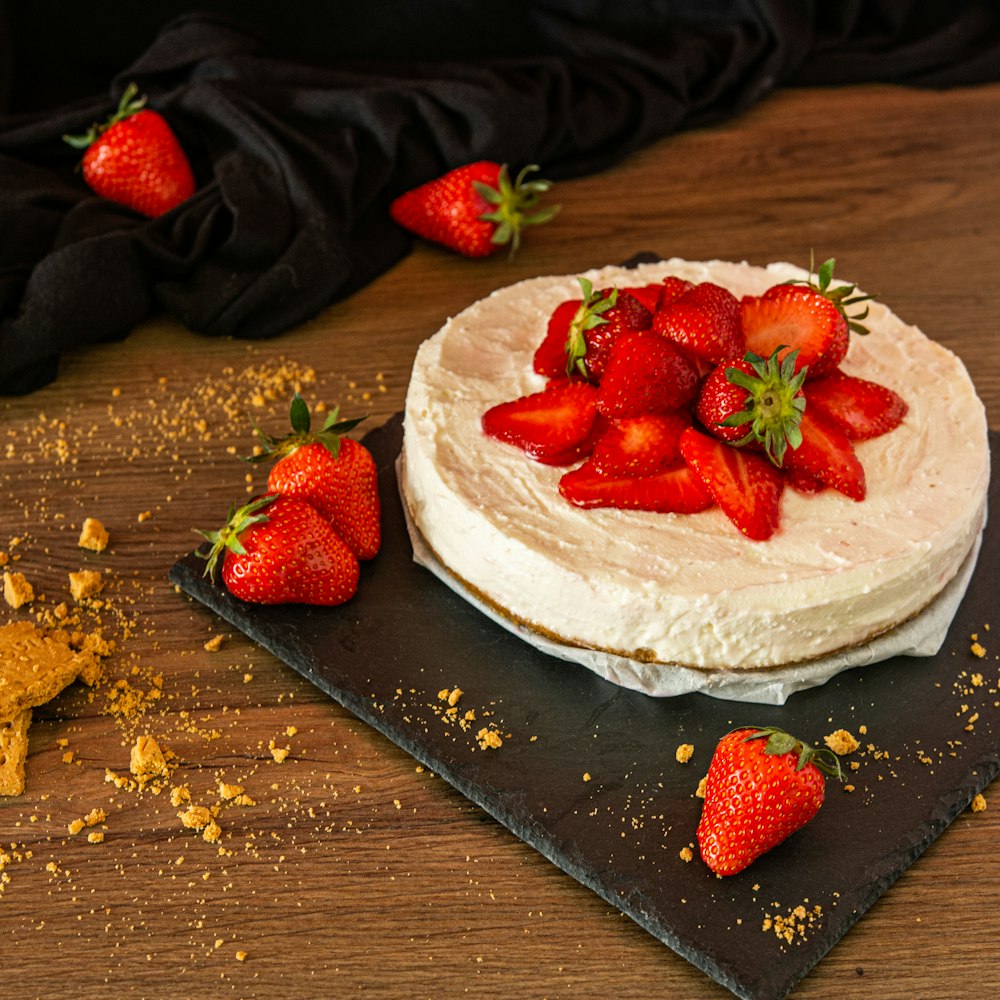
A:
[134,159]
[475,209]
[762,786]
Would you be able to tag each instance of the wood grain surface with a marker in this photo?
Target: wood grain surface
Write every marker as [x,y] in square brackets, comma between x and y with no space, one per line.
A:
[355,872]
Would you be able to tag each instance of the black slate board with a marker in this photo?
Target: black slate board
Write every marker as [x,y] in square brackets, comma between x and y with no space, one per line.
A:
[388,653]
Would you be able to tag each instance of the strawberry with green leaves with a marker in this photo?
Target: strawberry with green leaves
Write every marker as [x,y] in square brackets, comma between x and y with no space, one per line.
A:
[753,402]
[134,159]
[474,209]
[281,550]
[762,786]
[334,473]
[810,317]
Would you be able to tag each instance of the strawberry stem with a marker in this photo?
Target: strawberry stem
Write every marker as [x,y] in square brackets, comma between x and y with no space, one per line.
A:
[515,205]
[228,536]
[842,296]
[329,435]
[586,318]
[131,103]
[779,743]
[774,404]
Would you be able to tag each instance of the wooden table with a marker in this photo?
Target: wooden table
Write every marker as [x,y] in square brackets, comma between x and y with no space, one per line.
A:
[357,873]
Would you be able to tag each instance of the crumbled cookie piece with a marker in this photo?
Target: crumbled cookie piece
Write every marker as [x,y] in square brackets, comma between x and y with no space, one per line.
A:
[13,752]
[978,803]
[16,589]
[684,753]
[686,854]
[489,739]
[34,667]
[85,583]
[214,644]
[841,742]
[93,535]
[147,761]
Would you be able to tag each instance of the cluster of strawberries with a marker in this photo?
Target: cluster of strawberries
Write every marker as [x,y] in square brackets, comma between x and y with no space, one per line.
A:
[301,542]
[676,396]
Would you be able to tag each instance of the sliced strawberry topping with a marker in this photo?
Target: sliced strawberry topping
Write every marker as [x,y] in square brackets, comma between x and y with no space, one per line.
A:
[639,446]
[645,373]
[804,482]
[860,408]
[550,356]
[677,490]
[797,318]
[745,485]
[553,426]
[705,321]
[672,288]
[827,454]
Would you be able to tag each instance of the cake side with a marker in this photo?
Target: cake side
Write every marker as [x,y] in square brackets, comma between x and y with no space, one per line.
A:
[687,589]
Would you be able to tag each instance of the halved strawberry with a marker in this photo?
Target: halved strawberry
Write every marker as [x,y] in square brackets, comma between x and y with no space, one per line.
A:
[677,489]
[553,426]
[639,446]
[705,321]
[827,454]
[745,485]
[795,318]
[645,373]
[861,408]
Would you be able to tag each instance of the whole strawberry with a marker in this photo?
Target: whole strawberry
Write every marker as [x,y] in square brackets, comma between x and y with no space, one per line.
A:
[762,786]
[134,159]
[335,474]
[475,209]
[281,550]
[750,401]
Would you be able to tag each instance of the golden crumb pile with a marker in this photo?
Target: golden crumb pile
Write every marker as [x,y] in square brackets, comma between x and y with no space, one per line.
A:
[841,742]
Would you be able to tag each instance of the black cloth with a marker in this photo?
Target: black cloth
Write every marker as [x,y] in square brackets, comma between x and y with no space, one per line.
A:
[303,121]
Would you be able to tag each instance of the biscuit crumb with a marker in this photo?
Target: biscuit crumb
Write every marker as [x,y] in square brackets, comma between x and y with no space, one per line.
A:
[700,790]
[93,535]
[841,742]
[241,956]
[978,804]
[586,775]
[684,753]
[16,590]
[147,761]
[977,649]
[686,854]
[214,644]
[280,754]
[489,739]
[85,583]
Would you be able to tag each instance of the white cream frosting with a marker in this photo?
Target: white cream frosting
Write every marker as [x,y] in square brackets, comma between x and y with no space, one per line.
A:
[690,589]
